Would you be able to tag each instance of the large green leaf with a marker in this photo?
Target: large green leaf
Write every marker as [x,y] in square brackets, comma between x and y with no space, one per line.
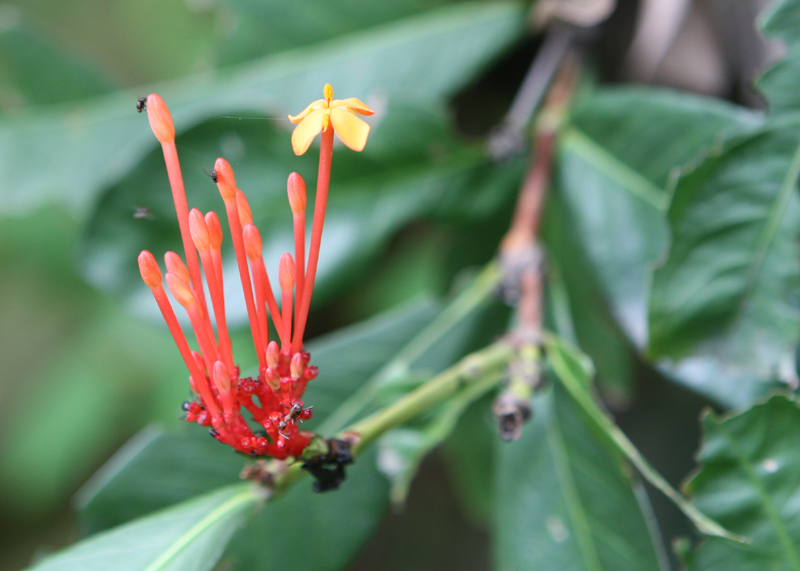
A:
[725,300]
[70,153]
[565,498]
[749,481]
[188,537]
[614,164]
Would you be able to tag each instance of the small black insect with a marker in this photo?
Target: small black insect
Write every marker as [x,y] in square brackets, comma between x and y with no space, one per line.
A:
[185,406]
[213,432]
[328,471]
[212,174]
[141,104]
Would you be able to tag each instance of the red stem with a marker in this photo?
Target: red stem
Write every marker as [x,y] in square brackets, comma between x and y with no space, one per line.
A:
[182,210]
[320,204]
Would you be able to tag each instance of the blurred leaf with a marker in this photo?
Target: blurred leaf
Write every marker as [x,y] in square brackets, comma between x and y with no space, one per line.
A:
[615,162]
[188,537]
[254,28]
[474,437]
[565,498]
[748,481]
[781,21]
[402,450]
[57,77]
[725,300]
[69,154]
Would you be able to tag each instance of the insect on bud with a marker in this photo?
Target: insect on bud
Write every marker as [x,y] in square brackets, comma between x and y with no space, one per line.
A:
[214,230]
[148,267]
[226,182]
[273,354]
[245,214]
[287,272]
[180,291]
[199,230]
[160,118]
[252,242]
[176,266]
[296,189]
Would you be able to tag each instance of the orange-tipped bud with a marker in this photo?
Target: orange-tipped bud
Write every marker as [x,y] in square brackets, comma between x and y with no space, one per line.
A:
[273,354]
[214,230]
[287,272]
[297,366]
[252,242]
[221,378]
[296,188]
[180,291]
[226,182]
[160,118]
[148,267]
[245,215]
[176,266]
[199,230]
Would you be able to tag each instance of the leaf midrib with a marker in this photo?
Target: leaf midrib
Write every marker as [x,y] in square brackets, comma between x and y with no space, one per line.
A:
[769,509]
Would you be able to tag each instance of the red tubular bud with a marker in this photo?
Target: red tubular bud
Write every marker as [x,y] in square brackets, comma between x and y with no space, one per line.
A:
[180,291]
[160,118]
[273,354]
[198,358]
[214,230]
[245,215]
[176,266]
[296,189]
[286,272]
[252,242]
[221,378]
[226,182]
[199,230]
[148,267]
[297,366]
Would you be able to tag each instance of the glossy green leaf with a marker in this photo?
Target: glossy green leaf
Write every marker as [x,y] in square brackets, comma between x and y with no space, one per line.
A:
[614,165]
[69,154]
[565,498]
[725,300]
[188,537]
[749,481]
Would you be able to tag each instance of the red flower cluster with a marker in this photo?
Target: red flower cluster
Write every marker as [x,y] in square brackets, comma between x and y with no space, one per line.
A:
[273,398]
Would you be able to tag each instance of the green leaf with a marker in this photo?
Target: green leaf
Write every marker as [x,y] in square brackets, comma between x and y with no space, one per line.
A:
[749,480]
[781,21]
[615,162]
[565,499]
[69,154]
[725,299]
[188,537]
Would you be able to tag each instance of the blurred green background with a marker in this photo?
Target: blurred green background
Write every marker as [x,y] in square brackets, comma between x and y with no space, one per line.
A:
[85,365]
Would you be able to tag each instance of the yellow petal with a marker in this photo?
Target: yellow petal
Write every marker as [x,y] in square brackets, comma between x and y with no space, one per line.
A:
[351,130]
[353,104]
[305,132]
[304,113]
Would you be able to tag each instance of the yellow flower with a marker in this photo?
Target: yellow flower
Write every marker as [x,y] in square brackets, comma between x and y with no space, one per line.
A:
[324,113]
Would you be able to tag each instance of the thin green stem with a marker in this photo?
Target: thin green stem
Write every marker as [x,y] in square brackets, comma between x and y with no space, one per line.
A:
[479,368]
[470,298]
[469,371]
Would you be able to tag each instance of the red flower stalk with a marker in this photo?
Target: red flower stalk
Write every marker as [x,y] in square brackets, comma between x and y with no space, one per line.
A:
[284,369]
